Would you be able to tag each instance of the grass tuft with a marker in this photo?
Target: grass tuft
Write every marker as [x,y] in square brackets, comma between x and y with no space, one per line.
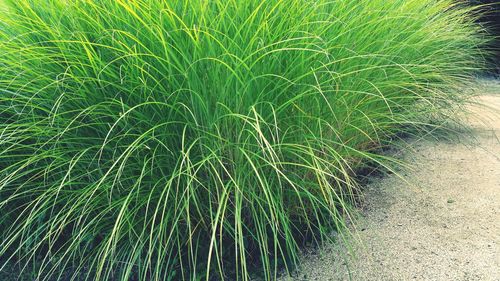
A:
[205,140]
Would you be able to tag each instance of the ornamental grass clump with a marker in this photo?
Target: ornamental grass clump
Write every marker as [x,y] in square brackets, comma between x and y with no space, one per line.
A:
[206,140]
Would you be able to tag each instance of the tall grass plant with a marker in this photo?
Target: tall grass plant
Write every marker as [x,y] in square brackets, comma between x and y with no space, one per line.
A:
[206,140]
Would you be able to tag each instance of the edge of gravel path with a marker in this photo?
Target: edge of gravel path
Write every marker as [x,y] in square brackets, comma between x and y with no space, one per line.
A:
[442,222]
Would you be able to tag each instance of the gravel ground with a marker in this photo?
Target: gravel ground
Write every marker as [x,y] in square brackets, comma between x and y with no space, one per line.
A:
[442,222]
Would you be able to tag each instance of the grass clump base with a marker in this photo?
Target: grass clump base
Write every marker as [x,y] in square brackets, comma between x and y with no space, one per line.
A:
[200,140]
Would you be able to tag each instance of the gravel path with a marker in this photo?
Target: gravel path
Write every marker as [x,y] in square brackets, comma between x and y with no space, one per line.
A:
[441,223]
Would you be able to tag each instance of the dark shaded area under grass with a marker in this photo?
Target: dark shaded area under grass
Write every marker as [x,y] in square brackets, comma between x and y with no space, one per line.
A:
[491,20]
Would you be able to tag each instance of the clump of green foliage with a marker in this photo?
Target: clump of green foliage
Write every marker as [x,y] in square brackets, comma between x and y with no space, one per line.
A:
[200,140]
